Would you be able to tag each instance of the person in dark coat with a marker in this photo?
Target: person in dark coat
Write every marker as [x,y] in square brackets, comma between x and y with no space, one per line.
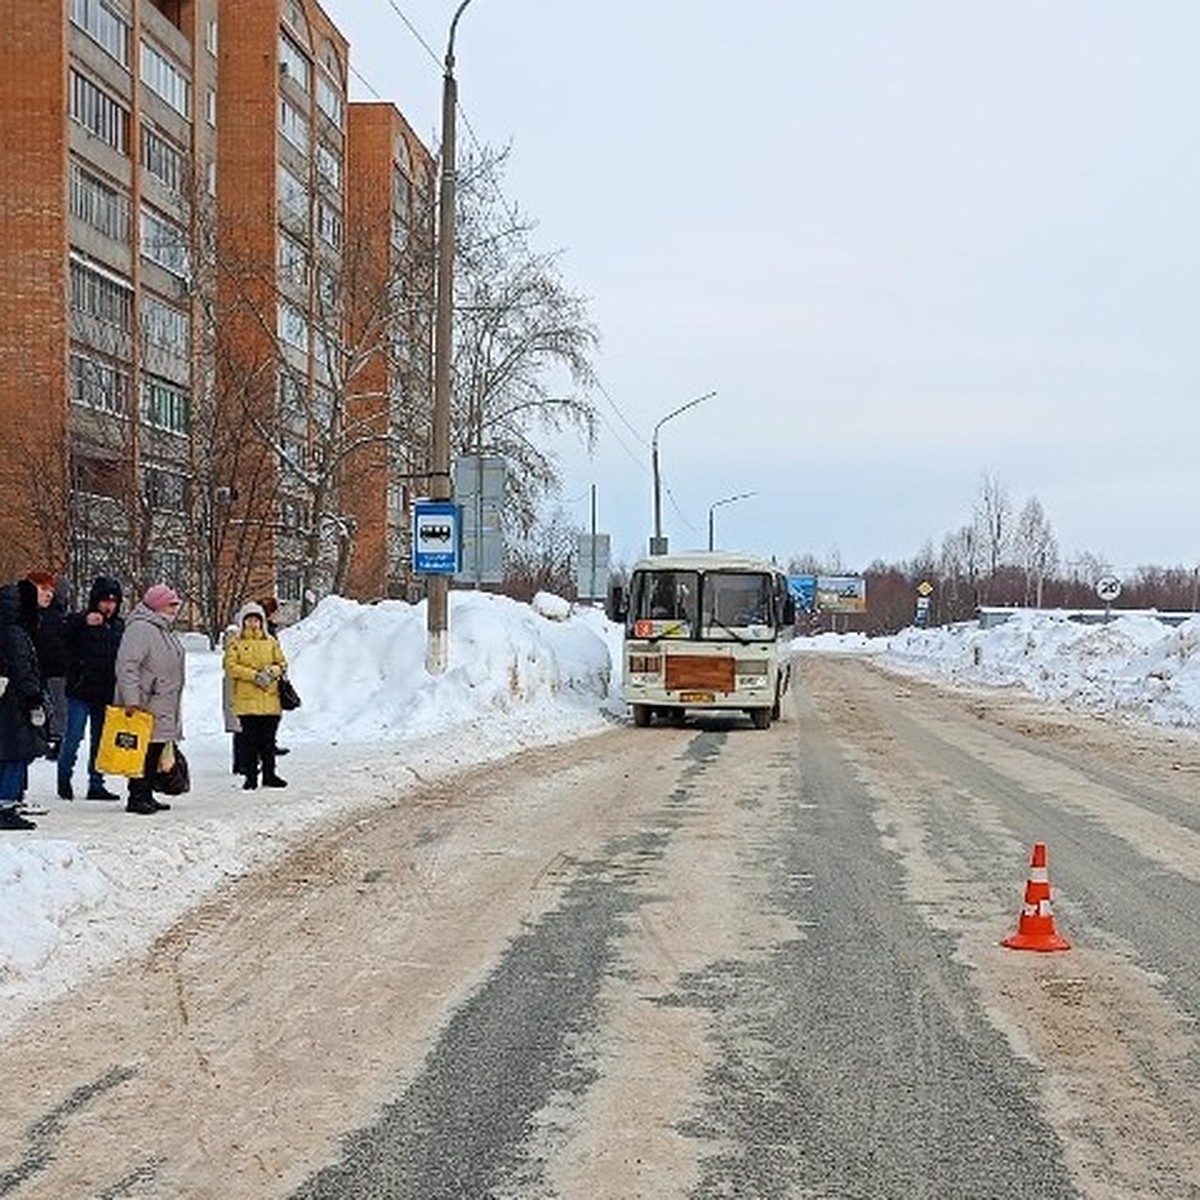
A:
[51,642]
[92,638]
[22,715]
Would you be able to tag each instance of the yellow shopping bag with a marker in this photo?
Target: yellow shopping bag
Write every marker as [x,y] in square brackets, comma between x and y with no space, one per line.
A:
[123,741]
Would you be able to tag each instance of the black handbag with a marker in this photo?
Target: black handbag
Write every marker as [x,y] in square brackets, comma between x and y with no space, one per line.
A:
[175,778]
[289,698]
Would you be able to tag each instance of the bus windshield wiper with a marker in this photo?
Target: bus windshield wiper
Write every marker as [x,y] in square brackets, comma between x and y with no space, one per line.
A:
[733,633]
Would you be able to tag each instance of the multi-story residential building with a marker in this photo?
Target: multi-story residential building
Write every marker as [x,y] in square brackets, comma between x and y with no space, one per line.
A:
[306,251]
[390,209]
[107,109]
[191,241]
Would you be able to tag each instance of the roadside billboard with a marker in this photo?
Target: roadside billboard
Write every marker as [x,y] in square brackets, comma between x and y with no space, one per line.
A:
[841,594]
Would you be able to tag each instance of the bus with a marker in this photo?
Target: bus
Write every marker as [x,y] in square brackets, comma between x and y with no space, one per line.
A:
[706,631]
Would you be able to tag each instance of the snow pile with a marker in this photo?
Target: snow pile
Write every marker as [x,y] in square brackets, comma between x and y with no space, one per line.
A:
[1134,666]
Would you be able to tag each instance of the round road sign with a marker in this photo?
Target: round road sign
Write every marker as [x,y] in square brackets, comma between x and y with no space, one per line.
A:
[1108,588]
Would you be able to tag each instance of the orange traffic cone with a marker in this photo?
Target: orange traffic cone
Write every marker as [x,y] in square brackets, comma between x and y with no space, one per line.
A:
[1035,928]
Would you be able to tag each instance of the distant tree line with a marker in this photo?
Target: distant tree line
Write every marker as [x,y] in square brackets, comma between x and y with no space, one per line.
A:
[1005,556]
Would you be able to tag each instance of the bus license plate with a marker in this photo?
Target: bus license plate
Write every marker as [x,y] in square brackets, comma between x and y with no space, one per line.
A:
[697,697]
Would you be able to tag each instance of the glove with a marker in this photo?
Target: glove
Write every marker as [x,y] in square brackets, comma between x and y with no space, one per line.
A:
[37,716]
[264,678]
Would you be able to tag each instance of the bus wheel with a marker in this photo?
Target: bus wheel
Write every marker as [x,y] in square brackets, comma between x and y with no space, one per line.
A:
[641,715]
[761,718]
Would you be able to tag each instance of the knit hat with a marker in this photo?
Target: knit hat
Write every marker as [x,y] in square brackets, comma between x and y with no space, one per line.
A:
[46,579]
[159,597]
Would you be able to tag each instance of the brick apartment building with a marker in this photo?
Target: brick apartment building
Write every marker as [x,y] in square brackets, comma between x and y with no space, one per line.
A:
[179,386]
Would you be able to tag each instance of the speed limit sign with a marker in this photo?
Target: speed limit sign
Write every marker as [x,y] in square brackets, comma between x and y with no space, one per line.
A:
[1108,588]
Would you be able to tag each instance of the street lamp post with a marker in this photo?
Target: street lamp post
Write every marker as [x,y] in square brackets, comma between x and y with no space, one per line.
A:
[717,504]
[658,543]
[437,643]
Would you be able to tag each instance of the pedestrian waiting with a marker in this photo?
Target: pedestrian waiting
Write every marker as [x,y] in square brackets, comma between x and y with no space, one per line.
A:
[92,639]
[254,664]
[22,702]
[150,676]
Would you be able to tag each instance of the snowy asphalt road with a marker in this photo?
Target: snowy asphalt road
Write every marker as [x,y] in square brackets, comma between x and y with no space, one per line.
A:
[699,962]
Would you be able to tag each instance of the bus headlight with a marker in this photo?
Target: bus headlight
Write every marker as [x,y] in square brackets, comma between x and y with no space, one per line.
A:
[751,672]
[645,668]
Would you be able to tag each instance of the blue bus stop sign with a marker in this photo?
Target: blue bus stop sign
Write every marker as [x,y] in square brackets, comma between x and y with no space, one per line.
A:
[437,537]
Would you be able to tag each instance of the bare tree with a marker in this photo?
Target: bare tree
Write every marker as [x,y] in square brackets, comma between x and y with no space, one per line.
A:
[993,517]
[523,342]
[1035,548]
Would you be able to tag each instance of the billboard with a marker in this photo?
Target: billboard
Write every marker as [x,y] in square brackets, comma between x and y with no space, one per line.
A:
[841,594]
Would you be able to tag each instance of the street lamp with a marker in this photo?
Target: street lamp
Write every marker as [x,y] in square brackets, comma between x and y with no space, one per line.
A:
[658,543]
[437,643]
[717,504]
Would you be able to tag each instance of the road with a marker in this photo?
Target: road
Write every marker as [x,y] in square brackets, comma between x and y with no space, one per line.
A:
[701,962]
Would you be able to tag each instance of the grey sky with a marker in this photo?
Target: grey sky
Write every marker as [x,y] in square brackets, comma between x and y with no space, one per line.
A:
[907,243]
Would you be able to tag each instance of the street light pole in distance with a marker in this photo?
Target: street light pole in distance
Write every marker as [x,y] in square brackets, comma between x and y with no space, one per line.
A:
[658,543]
[437,643]
[717,504]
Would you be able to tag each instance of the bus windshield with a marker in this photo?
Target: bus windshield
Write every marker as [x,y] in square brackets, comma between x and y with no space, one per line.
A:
[728,604]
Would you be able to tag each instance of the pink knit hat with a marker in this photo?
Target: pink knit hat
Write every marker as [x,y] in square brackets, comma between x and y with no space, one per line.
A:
[159,597]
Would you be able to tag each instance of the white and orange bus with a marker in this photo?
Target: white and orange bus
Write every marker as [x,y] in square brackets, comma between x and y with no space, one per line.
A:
[706,631]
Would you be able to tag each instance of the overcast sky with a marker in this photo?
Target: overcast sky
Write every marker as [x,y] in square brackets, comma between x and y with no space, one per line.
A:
[905,242]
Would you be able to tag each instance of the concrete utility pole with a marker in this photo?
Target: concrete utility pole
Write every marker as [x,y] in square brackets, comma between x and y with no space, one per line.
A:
[437,645]
[658,543]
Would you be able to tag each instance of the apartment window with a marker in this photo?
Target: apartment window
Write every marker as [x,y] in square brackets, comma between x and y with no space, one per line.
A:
[327,290]
[101,295]
[289,584]
[329,167]
[166,80]
[293,125]
[169,566]
[99,204]
[293,194]
[399,230]
[99,384]
[329,224]
[99,113]
[330,101]
[291,396]
[104,25]
[166,491]
[162,159]
[210,37]
[210,107]
[292,62]
[293,260]
[164,405]
[293,326]
[210,177]
[165,327]
[165,243]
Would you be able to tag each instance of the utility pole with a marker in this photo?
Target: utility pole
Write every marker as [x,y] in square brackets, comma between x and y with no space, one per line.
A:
[437,644]
[658,544]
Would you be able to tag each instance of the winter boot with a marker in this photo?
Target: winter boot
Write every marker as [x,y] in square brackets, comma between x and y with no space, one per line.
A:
[100,792]
[65,791]
[273,781]
[11,819]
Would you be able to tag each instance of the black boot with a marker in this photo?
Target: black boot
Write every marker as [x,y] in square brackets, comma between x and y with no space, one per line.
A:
[11,819]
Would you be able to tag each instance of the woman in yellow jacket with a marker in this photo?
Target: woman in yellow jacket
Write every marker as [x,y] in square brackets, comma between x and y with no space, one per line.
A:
[254,663]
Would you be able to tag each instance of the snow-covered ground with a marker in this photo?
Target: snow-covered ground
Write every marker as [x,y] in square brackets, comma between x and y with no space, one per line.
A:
[93,883]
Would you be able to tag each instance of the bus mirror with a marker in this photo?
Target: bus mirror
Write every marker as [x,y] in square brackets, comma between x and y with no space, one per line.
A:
[789,611]
[617,607]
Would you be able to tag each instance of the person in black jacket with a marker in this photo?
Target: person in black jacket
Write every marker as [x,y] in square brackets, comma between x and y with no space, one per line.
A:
[51,643]
[92,638]
[22,715]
